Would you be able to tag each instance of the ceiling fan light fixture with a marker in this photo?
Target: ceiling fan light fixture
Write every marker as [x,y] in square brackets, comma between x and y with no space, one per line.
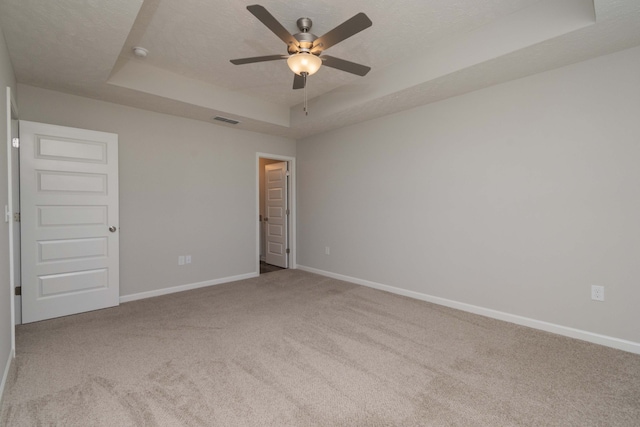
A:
[304,62]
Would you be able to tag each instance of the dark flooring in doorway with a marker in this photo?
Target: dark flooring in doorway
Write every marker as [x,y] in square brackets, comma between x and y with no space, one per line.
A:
[268,268]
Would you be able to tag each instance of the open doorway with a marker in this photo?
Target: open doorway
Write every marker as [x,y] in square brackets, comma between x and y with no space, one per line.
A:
[275,214]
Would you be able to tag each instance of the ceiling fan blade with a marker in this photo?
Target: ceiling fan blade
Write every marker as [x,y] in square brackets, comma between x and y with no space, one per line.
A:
[348,66]
[298,81]
[258,59]
[343,31]
[272,23]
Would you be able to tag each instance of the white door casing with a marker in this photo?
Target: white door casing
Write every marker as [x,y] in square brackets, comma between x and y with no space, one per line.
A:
[276,223]
[69,201]
[13,193]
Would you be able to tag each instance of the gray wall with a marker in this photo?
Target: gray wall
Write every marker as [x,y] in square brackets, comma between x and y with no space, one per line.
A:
[515,198]
[186,188]
[7,78]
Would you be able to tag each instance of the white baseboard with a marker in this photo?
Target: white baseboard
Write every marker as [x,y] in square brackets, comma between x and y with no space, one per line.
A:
[5,375]
[187,287]
[620,344]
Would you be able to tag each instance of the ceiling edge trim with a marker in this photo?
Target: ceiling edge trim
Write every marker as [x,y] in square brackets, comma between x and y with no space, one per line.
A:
[155,81]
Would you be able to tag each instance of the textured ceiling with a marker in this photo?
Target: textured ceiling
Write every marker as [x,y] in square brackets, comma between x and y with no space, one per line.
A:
[197,39]
[419,51]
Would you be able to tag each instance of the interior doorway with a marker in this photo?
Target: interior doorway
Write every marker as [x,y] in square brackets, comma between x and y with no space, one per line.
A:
[276,217]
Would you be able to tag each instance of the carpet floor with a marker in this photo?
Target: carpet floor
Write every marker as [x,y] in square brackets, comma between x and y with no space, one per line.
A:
[290,348]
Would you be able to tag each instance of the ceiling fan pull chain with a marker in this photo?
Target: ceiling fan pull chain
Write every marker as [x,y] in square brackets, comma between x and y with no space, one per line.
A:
[306,107]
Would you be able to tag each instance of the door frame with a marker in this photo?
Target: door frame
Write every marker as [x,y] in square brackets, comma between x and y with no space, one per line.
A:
[291,161]
[12,114]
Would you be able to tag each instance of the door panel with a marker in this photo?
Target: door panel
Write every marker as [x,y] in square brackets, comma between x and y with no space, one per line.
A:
[276,209]
[69,283]
[56,149]
[62,250]
[68,183]
[69,189]
[56,216]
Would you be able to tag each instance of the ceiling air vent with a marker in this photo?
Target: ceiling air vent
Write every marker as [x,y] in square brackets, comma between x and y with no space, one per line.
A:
[226,120]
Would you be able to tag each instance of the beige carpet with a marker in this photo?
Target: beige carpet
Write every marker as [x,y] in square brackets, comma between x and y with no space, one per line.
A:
[295,349]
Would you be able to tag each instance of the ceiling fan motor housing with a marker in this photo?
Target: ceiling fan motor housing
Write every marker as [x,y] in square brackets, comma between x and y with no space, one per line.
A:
[305,39]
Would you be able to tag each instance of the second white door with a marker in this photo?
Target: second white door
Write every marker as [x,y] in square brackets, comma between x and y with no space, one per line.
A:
[276,219]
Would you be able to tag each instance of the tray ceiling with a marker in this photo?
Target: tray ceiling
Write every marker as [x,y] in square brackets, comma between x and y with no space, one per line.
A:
[419,51]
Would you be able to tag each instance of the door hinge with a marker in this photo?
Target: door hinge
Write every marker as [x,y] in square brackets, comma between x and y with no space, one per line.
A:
[18,290]
[288,250]
[15,142]
[16,217]
[287,212]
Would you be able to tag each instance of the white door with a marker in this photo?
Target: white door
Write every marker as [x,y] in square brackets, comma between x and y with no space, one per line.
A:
[276,214]
[69,220]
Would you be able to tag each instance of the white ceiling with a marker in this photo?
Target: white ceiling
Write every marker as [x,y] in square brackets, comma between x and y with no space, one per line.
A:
[420,51]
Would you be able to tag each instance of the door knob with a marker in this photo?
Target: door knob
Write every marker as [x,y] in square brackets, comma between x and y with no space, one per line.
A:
[112,229]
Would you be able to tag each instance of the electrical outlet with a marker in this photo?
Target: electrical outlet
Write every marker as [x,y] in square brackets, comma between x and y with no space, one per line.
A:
[188,259]
[597,293]
[326,250]
[181,260]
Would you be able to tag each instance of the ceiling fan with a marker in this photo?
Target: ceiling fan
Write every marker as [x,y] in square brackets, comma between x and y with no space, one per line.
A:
[305,48]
